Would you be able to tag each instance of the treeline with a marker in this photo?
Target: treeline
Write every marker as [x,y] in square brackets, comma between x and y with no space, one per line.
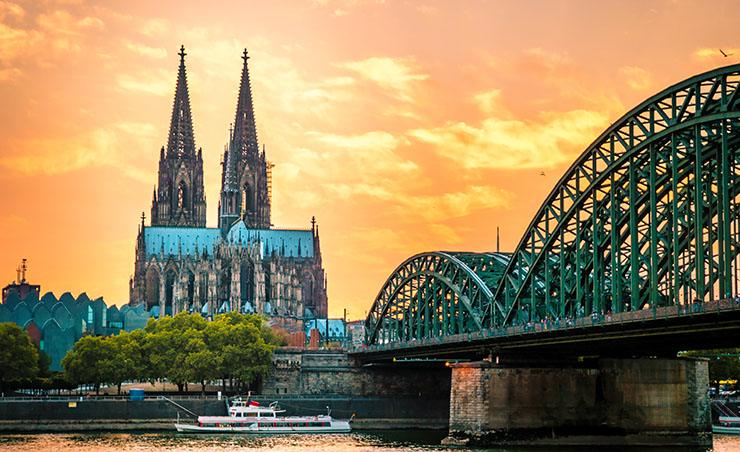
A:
[22,364]
[182,349]
[724,364]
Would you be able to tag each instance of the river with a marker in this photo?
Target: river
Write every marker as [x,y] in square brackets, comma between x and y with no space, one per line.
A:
[404,441]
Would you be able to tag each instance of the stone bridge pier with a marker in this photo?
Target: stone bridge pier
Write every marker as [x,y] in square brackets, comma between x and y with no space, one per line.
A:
[610,401]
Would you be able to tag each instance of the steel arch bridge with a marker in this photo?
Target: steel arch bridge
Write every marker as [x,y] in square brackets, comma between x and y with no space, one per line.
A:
[646,217]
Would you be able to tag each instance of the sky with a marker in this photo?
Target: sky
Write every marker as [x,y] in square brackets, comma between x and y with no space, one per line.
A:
[402,126]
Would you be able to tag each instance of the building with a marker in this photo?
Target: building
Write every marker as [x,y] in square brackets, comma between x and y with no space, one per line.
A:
[244,264]
[55,324]
[20,286]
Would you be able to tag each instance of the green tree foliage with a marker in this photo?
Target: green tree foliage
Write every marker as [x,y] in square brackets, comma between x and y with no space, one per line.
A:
[89,362]
[724,364]
[238,340]
[181,349]
[19,358]
[44,363]
[127,358]
[167,346]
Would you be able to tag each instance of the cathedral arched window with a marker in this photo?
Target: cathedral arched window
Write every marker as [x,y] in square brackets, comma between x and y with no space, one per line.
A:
[152,289]
[246,280]
[169,290]
[191,290]
[307,289]
[247,199]
[182,194]
[224,289]
[203,289]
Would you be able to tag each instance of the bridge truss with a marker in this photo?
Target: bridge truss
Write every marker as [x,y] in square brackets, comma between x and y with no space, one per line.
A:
[646,217]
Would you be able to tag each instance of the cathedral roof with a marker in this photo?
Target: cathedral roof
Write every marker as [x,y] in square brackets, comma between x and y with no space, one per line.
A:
[173,240]
[284,242]
[336,327]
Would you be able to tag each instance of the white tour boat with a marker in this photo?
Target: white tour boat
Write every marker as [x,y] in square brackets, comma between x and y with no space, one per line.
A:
[729,421]
[246,417]
[728,425]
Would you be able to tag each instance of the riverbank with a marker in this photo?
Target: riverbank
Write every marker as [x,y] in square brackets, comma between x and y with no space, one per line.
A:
[160,414]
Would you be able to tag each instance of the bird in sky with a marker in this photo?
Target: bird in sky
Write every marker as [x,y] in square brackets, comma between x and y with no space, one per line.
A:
[725,54]
[542,173]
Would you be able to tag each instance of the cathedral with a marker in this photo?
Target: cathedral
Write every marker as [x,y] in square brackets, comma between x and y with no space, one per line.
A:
[244,264]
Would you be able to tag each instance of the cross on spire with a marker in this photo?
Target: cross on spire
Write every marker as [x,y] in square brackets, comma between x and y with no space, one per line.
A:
[245,57]
[182,54]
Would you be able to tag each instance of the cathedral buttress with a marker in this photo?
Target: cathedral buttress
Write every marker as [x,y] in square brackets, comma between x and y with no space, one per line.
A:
[179,199]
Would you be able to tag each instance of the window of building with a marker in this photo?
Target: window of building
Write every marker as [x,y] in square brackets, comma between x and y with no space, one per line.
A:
[89,314]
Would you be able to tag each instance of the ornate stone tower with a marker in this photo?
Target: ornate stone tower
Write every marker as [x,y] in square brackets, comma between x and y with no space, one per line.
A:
[179,199]
[244,185]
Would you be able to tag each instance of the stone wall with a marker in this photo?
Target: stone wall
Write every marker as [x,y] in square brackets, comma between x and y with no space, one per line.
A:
[154,414]
[333,372]
[486,398]
[656,394]
[614,398]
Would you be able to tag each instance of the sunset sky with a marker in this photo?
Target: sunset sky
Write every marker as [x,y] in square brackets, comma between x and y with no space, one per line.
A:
[402,126]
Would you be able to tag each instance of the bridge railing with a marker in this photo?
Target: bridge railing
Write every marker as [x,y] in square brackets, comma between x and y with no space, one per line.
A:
[552,325]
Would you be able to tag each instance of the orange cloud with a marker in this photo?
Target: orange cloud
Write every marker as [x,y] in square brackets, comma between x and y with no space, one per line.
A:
[549,140]
[637,78]
[151,52]
[396,75]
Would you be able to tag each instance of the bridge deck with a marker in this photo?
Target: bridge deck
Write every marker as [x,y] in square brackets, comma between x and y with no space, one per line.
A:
[657,331]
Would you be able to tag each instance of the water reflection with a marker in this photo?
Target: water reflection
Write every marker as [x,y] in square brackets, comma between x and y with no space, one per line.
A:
[377,441]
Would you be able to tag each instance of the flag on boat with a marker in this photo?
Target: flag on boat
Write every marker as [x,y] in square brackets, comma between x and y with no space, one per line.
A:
[253,403]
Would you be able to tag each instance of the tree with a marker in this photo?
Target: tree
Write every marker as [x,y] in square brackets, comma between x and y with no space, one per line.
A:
[724,364]
[19,359]
[44,363]
[126,361]
[84,363]
[237,340]
[202,364]
[167,346]
[273,338]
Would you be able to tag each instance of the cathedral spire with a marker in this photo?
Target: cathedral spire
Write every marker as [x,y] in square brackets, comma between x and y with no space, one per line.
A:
[179,198]
[181,142]
[245,130]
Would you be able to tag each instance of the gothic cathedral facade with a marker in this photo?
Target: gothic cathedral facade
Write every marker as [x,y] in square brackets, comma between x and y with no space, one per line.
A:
[242,265]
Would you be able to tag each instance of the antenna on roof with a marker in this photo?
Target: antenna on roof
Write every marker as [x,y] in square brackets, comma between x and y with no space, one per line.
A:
[497,240]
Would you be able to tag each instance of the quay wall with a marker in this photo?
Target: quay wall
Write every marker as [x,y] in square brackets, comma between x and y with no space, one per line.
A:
[333,372]
[156,414]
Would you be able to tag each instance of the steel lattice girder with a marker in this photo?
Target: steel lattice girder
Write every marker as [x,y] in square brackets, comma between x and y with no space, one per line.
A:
[646,216]
[433,294]
[616,185]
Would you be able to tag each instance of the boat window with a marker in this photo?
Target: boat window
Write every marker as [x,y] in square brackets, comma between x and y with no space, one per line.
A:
[251,414]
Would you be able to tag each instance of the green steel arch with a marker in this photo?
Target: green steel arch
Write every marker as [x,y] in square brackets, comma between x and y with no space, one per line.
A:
[435,294]
[645,217]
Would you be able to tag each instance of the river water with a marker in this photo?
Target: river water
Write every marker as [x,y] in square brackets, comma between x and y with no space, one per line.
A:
[404,441]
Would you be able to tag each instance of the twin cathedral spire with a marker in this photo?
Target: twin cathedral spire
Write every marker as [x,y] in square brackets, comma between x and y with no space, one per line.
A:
[179,198]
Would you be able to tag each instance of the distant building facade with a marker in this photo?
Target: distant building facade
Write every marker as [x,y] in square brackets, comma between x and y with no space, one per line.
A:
[54,325]
[242,265]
